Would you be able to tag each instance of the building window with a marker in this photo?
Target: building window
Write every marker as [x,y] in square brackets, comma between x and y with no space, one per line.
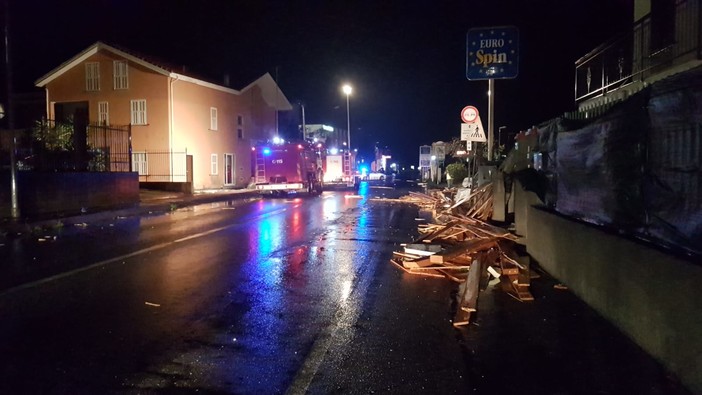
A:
[239,127]
[120,74]
[139,112]
[92,76]
[140,163]
[103,113]
[213,164]
[213,118]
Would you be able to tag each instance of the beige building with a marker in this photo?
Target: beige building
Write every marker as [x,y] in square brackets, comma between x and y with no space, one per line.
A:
[173,116]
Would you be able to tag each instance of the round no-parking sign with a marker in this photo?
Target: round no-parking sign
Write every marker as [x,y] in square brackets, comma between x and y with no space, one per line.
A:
[469,114]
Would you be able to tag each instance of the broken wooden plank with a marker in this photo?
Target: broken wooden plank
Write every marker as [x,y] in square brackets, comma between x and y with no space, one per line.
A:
[428,274]
[435,234]
[462,248]
[456,277]
[469,297]
[461,318]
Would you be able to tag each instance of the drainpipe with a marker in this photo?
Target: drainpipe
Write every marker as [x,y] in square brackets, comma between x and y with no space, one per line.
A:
[170,123]
[48,103]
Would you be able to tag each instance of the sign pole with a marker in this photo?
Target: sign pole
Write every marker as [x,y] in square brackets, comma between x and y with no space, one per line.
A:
[492,53]
[491,116]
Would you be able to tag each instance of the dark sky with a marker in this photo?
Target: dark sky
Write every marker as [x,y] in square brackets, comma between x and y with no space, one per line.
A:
[405,59]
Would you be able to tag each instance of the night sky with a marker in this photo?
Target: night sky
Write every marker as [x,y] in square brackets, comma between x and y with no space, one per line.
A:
[405,59]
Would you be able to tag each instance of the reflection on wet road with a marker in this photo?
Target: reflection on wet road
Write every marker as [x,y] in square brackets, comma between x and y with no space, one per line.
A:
[222,297]
[277,296]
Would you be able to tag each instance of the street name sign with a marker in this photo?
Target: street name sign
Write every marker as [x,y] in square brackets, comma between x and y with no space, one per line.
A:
[492,53]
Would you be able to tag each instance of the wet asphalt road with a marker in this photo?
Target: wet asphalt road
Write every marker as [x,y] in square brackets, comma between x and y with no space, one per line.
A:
[281,296]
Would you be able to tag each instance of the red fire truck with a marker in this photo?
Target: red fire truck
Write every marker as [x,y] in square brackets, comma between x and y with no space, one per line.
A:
[339,169]
[288,167]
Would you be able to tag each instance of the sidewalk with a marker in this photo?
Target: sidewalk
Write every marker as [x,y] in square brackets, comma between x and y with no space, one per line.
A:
[150,201]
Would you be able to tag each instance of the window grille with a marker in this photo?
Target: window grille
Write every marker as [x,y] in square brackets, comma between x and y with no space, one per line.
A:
[140,163]
[120,73]
[139,112]
[103,113]
[92,76]
[213,118]
[213,164]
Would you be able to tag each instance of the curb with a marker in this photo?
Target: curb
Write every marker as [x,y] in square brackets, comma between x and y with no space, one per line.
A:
[150,206]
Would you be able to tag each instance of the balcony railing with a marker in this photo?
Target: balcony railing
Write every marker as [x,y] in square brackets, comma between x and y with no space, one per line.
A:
[638,55]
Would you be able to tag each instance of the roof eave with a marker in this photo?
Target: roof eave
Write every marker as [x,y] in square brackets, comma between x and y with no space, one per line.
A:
[91,50]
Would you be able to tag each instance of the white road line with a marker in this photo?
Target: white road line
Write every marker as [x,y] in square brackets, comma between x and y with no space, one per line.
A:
[310,366]
[123,257]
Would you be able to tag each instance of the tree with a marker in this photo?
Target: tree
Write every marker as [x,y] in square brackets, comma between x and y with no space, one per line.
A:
[454,146]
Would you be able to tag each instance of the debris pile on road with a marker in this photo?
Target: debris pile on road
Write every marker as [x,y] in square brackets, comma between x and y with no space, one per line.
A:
[476,203]
[464,248]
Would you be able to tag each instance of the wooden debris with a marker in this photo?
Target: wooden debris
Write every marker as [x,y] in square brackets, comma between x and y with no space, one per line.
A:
[463,247]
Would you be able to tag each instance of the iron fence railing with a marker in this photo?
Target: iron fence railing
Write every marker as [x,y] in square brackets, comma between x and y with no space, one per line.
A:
[640,54]
[56,146]
[161,166]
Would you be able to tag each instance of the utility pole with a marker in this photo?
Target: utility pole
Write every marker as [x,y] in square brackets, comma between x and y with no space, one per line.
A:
[15,212]
[304,127]
[491,117]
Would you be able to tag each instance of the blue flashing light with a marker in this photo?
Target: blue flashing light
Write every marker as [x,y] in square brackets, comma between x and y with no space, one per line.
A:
[266,151]
[334,151]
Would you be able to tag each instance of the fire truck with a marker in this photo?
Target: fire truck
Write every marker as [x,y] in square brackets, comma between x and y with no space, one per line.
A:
[339,169]
[287,167]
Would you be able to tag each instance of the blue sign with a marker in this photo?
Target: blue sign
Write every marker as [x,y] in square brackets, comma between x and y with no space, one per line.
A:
[492,53]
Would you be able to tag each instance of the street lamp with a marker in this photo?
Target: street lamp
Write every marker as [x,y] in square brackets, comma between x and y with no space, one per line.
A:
[499,135]
[347,89]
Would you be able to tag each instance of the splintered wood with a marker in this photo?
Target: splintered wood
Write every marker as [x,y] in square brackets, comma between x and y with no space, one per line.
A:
[465,249]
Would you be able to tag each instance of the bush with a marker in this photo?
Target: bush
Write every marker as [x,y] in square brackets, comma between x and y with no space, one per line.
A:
[457,171]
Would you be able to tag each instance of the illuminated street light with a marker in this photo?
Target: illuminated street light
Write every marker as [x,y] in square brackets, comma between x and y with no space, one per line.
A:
[347,89]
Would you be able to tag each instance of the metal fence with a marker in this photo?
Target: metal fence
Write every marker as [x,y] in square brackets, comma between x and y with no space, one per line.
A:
[641,53]
[161,166]
[56,146]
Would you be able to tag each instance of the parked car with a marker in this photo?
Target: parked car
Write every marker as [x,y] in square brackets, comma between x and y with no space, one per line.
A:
[376,176]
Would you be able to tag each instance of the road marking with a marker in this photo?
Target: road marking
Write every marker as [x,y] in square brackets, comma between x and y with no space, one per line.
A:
[344,317]
[126,256]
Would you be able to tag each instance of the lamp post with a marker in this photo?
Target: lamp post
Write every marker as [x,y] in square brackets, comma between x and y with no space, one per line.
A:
[499,139]
[15,211]
[347,89]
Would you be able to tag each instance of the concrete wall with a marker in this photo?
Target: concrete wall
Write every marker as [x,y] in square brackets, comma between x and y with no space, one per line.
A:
[45,194]
[653,297]
[523,200]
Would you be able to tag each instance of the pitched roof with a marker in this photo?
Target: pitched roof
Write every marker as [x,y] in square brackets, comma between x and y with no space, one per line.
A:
[92,50]
[270,90]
